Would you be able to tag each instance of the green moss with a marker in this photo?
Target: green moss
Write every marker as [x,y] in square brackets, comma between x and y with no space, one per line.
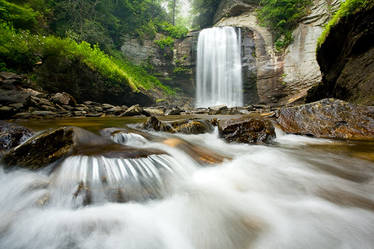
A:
[349,7]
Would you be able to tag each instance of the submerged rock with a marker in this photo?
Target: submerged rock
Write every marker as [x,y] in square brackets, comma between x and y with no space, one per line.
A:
[53,145]
[329,118]
[12,135]
[246,130]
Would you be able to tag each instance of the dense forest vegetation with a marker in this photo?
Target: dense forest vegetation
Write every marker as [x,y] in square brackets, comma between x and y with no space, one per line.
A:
[48,39]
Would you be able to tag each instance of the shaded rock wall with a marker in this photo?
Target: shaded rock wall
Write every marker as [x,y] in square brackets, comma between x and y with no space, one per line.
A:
[347,60]
[301,70]
[174,67]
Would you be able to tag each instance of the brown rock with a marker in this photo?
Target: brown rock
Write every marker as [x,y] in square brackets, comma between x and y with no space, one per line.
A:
[188,126]
[135,110]
[53,145]
[329,118]
[12,135]
[246,130]
[64,99]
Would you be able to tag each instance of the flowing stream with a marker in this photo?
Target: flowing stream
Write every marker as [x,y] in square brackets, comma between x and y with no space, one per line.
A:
[219,69]
[298,193]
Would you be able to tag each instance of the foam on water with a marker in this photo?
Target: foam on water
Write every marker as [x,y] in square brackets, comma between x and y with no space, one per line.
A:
[266,197]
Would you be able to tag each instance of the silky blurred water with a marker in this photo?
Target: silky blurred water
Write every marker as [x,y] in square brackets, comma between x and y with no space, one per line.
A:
[297,193]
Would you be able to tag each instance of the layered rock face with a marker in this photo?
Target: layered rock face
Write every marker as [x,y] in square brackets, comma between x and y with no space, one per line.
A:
[301,70]
[174,67]
[346,59]
[280,77]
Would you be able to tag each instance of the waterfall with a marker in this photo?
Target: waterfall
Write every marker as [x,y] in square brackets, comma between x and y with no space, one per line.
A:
[219,69]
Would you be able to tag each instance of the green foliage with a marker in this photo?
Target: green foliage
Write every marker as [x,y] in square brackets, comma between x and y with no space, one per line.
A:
[163,43]
[17,15]
[21,50]
[204,11]
[177,31]
[106,22]
[282,16]
[347,8]
[17,49]
[180,70]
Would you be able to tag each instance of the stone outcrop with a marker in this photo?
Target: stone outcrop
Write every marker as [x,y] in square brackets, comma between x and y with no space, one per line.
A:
[346,59]
[300,69]
[246,130]
[329,118]
[186,126]
[55,144]
[175,68]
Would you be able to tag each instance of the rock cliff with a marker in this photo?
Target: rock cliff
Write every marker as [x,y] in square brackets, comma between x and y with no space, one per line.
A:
[173,66]
[281,77]
[346,58]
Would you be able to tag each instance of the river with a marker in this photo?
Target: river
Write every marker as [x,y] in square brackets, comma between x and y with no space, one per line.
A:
[299,192]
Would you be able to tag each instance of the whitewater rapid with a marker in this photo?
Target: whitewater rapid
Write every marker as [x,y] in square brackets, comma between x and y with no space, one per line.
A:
[287,196]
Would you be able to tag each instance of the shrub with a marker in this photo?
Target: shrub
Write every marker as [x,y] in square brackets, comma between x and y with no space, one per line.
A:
[282,16]
[165,42]
[177,31]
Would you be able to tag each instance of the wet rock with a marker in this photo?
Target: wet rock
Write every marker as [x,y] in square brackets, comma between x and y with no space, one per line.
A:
[174,111]
[152,123]
[135,110]
[42,149]
[155,111]
[219,109]
[187,126]
[246,130]
[107,106]
[53,145]
[79,113]
[63,99]
[94,115]
[43,113]
[192,127]
[116,110]
[12,135]
[329,118]
[201,111]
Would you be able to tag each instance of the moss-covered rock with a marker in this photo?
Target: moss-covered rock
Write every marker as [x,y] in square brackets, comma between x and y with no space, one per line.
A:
[346,55]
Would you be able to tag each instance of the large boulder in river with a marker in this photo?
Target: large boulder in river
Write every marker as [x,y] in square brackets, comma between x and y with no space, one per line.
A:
[186,126]
[53,145]
[246,130]
[12,135]
[329,118]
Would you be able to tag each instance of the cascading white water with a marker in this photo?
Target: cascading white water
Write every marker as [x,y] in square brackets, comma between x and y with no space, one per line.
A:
[290,195]
[219,69]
